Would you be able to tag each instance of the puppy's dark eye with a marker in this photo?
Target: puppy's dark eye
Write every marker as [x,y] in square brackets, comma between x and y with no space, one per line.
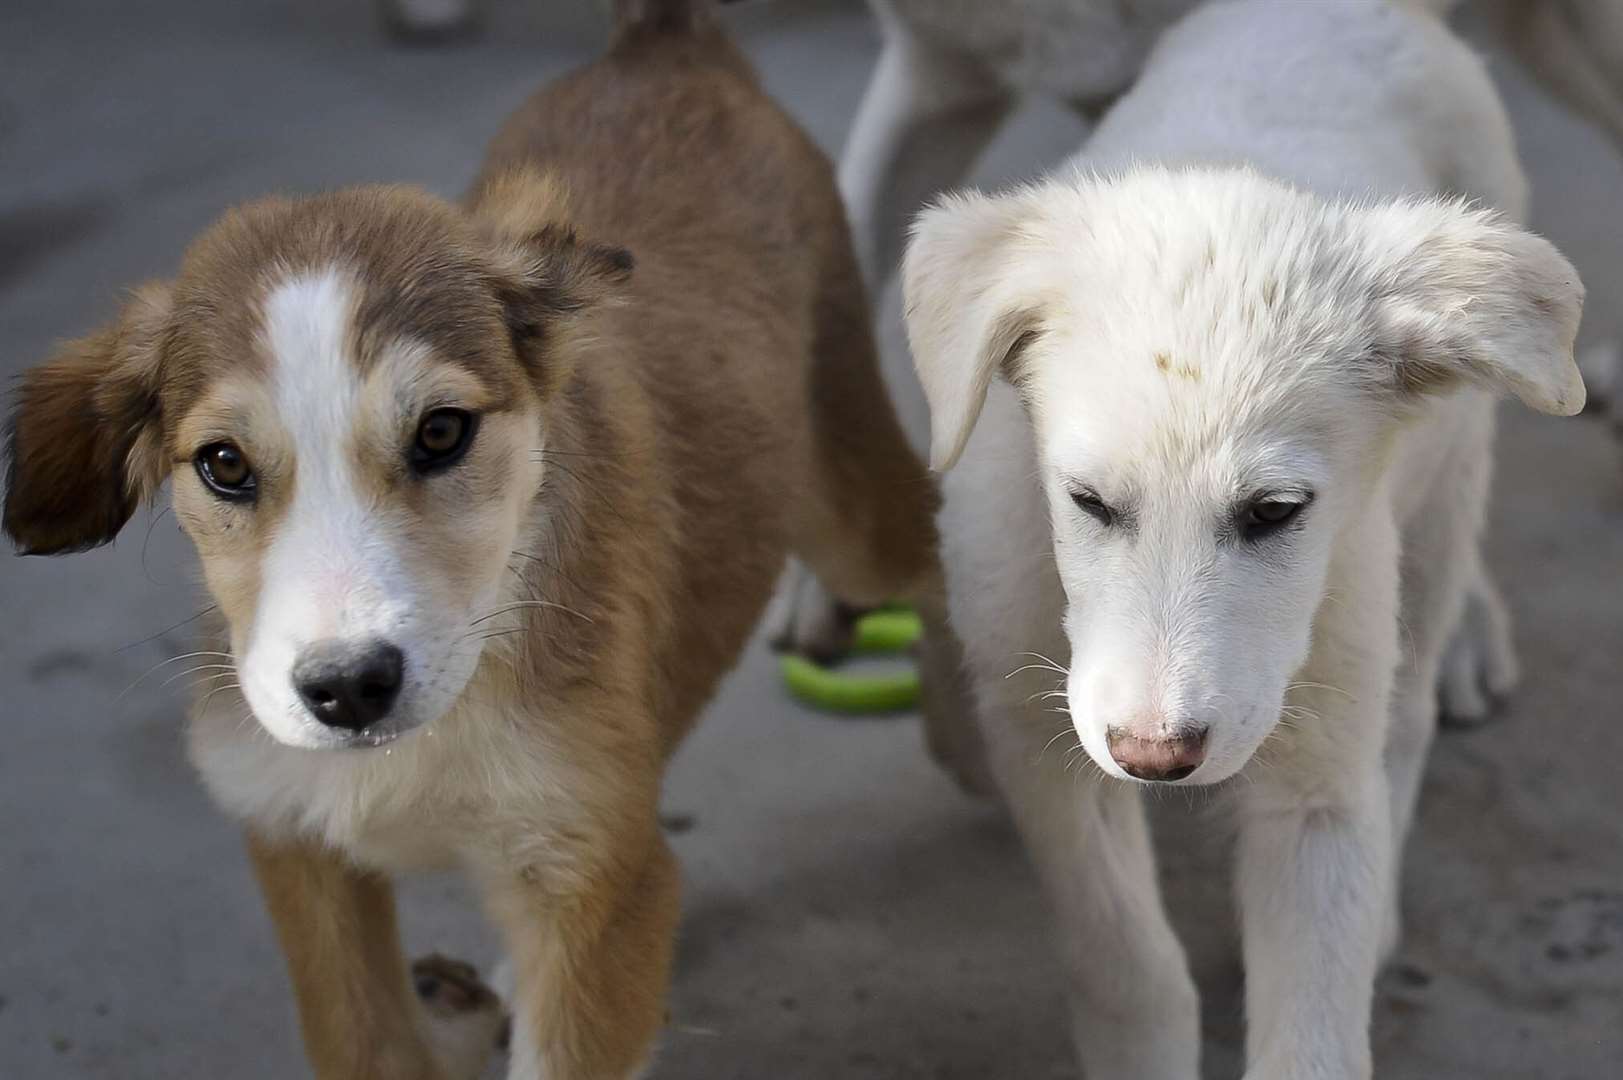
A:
[443,437]
[1262,517]
[1094,506]
[226,471]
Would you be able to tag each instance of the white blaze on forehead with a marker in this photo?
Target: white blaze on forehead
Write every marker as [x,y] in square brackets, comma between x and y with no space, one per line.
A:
[333,555]
[308,322]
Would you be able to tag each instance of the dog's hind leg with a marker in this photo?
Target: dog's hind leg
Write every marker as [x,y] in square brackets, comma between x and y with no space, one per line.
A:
[465,1016]
[805,618]
[866,526]
[1432,598]
[359,1009]
[1480,665]
[1448,609]
[925,117]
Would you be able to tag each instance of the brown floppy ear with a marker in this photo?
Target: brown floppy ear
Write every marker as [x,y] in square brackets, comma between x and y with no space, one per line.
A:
[545,275]
[85,443]
[552,275]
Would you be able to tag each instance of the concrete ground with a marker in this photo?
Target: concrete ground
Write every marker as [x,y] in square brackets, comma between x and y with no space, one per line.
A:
[848,912]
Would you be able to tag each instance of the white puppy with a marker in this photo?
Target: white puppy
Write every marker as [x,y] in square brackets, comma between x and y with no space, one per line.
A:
[1233,378]
[951,72]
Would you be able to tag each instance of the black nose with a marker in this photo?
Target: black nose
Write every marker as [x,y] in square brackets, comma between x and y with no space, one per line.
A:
[349,685]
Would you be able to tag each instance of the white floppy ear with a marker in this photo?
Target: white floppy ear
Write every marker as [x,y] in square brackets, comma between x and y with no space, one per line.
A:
[1464,294]
[965,318]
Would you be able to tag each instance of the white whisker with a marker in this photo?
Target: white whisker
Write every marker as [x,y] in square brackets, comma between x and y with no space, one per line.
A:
[518,604]
[165,663]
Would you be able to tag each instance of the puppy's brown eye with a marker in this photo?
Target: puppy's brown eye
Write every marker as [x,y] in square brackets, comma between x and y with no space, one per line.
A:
[443,437]
[226,471]
[1263,517]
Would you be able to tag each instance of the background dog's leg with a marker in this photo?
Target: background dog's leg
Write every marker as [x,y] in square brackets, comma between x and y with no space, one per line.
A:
[1135,1012]
[1454,636]
[926,116]
[1450,602]
[1479,667]
[358,1009]
[590,970]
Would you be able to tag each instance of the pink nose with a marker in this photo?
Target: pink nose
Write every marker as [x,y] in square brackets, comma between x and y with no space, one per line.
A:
[1165,759]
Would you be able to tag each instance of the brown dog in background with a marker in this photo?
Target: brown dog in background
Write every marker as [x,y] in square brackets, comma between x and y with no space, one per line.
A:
[488,513]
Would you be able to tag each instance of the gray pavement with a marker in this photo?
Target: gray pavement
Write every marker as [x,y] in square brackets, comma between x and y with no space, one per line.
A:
[849,914]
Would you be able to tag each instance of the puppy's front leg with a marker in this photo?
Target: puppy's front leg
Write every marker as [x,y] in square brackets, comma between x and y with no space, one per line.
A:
[1314,861]
[1135,1012]
[336,924]
[591,968]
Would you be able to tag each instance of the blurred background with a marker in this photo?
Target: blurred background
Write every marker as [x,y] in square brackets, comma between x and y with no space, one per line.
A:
[848,912]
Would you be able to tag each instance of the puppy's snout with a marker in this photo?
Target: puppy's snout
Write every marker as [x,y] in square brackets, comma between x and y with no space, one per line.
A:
[349,685]
[1165,759]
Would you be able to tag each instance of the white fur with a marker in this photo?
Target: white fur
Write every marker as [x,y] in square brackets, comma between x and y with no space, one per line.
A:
[1247,284]
[399,806]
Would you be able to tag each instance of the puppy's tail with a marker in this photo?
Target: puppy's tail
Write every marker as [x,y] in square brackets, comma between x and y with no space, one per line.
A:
[662,16]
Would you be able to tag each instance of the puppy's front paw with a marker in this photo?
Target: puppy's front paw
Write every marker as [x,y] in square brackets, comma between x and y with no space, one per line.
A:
[466,1018]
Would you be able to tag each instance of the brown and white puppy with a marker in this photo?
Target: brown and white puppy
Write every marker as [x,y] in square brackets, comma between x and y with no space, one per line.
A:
[487,513]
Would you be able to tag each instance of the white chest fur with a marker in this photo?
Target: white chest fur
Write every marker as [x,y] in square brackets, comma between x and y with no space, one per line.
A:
[433,797]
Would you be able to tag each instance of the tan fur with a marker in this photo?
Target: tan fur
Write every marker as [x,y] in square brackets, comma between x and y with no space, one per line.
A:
[337,929]
[704,414]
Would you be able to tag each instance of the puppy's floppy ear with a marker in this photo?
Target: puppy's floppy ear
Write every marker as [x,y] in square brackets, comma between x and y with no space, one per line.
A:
[967,316]
[544,274]
[1463,294]
[86,443]
[552,273]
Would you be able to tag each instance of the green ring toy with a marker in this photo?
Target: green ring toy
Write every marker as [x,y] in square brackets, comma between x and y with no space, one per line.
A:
[887,631]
